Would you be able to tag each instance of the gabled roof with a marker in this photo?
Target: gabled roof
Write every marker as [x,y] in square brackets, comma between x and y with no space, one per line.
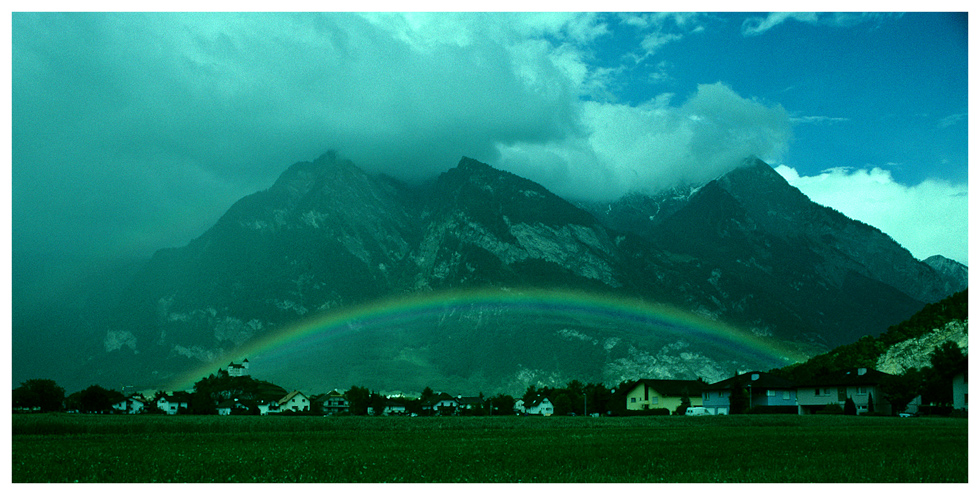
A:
[853,376]
[765,381]
[290,396]
[535,402]
[673,388]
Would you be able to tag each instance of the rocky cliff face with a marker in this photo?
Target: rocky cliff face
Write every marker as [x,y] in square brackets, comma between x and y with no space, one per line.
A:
[914,353]
[746,249]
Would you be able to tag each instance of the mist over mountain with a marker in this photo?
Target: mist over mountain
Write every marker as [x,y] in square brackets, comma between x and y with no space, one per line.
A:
[745,249]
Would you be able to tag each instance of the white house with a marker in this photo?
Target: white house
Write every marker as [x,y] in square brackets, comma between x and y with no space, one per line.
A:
[538,406]
[295,401]
[171,404]
[230,405]
[130,405]
[267,408]
[861,385]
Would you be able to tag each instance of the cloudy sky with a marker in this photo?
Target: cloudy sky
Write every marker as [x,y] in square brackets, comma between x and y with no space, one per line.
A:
[134,132]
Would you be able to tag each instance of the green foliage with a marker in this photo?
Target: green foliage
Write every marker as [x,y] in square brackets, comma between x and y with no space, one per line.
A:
[899,390]
[41,394]
[210,391]
[359,399]
[738,400]
[865,352]
[96,399]
[850,408]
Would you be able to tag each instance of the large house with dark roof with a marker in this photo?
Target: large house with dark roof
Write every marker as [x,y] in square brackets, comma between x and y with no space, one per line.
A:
[762,389]
[861,385]
[665,394]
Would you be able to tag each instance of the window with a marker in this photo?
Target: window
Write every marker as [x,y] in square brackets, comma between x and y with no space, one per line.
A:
[632,399]
[862,391]
[786,395]
[770,393]
[654,400]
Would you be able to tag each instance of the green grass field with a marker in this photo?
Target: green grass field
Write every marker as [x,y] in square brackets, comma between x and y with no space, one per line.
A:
[65,448]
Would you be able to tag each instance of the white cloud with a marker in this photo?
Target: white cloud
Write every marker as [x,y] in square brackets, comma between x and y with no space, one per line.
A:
[653,146]
[928,218]
[754,26]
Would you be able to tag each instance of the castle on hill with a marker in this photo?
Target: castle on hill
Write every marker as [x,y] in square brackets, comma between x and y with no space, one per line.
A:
[238,369]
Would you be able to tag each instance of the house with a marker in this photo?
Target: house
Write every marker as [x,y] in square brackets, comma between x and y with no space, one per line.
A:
[666,394]
[443,404]
[861,385]
[295,401]
[130,405]
[763,390]
[238,369]
[539,405]
[469,403]
[172,404]
[268,407]
[960,395]
[334,403]
[394,406]
[230,406]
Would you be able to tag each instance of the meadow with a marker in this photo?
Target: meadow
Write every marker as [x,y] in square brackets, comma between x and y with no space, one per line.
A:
[63,448]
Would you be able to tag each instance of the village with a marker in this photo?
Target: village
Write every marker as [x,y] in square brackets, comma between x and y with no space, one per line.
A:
[857,391]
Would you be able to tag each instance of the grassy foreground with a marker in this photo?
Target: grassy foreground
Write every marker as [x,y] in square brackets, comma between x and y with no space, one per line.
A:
[64,448]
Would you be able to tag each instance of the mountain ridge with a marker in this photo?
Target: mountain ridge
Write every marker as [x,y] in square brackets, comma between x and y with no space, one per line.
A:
[327,235]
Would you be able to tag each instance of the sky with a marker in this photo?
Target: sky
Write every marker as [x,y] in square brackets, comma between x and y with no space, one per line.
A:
[132,132]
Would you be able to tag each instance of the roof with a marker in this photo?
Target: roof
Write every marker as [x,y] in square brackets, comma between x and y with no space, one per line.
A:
[765,381]
[853,376]
[673,388]
[469,400]
[290,396]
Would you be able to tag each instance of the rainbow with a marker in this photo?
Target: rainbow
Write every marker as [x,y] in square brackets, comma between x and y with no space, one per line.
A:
[391,312]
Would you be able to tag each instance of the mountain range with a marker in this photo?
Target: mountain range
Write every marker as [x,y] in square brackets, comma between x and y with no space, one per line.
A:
[745,250]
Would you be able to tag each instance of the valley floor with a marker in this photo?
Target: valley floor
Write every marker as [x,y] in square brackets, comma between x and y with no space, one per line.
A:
[63,448]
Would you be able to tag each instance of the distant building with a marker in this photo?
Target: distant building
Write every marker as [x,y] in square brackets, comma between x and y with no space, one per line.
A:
[861,385]
[663,394]
[763,390]
[238,369]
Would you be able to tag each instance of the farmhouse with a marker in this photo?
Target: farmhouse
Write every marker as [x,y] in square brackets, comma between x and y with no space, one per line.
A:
[861,385]
[666,394]
[268,407]
[540,405]
[295,401]
[443,404]
[172,404]
[231,406]
[762,390]
[131,405]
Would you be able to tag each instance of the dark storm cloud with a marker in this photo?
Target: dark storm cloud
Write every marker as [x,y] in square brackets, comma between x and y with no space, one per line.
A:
[136,131]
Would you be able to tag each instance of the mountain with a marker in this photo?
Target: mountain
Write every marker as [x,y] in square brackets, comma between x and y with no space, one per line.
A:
[954,273]
[746,249]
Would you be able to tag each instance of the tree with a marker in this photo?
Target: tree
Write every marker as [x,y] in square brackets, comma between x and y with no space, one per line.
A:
[45,395]
[899,390]
[98,399]
[502,405]
[871,403]
[377,403]
[850,409]
[946,361]
[685,403]
[359,399]
[738,400]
